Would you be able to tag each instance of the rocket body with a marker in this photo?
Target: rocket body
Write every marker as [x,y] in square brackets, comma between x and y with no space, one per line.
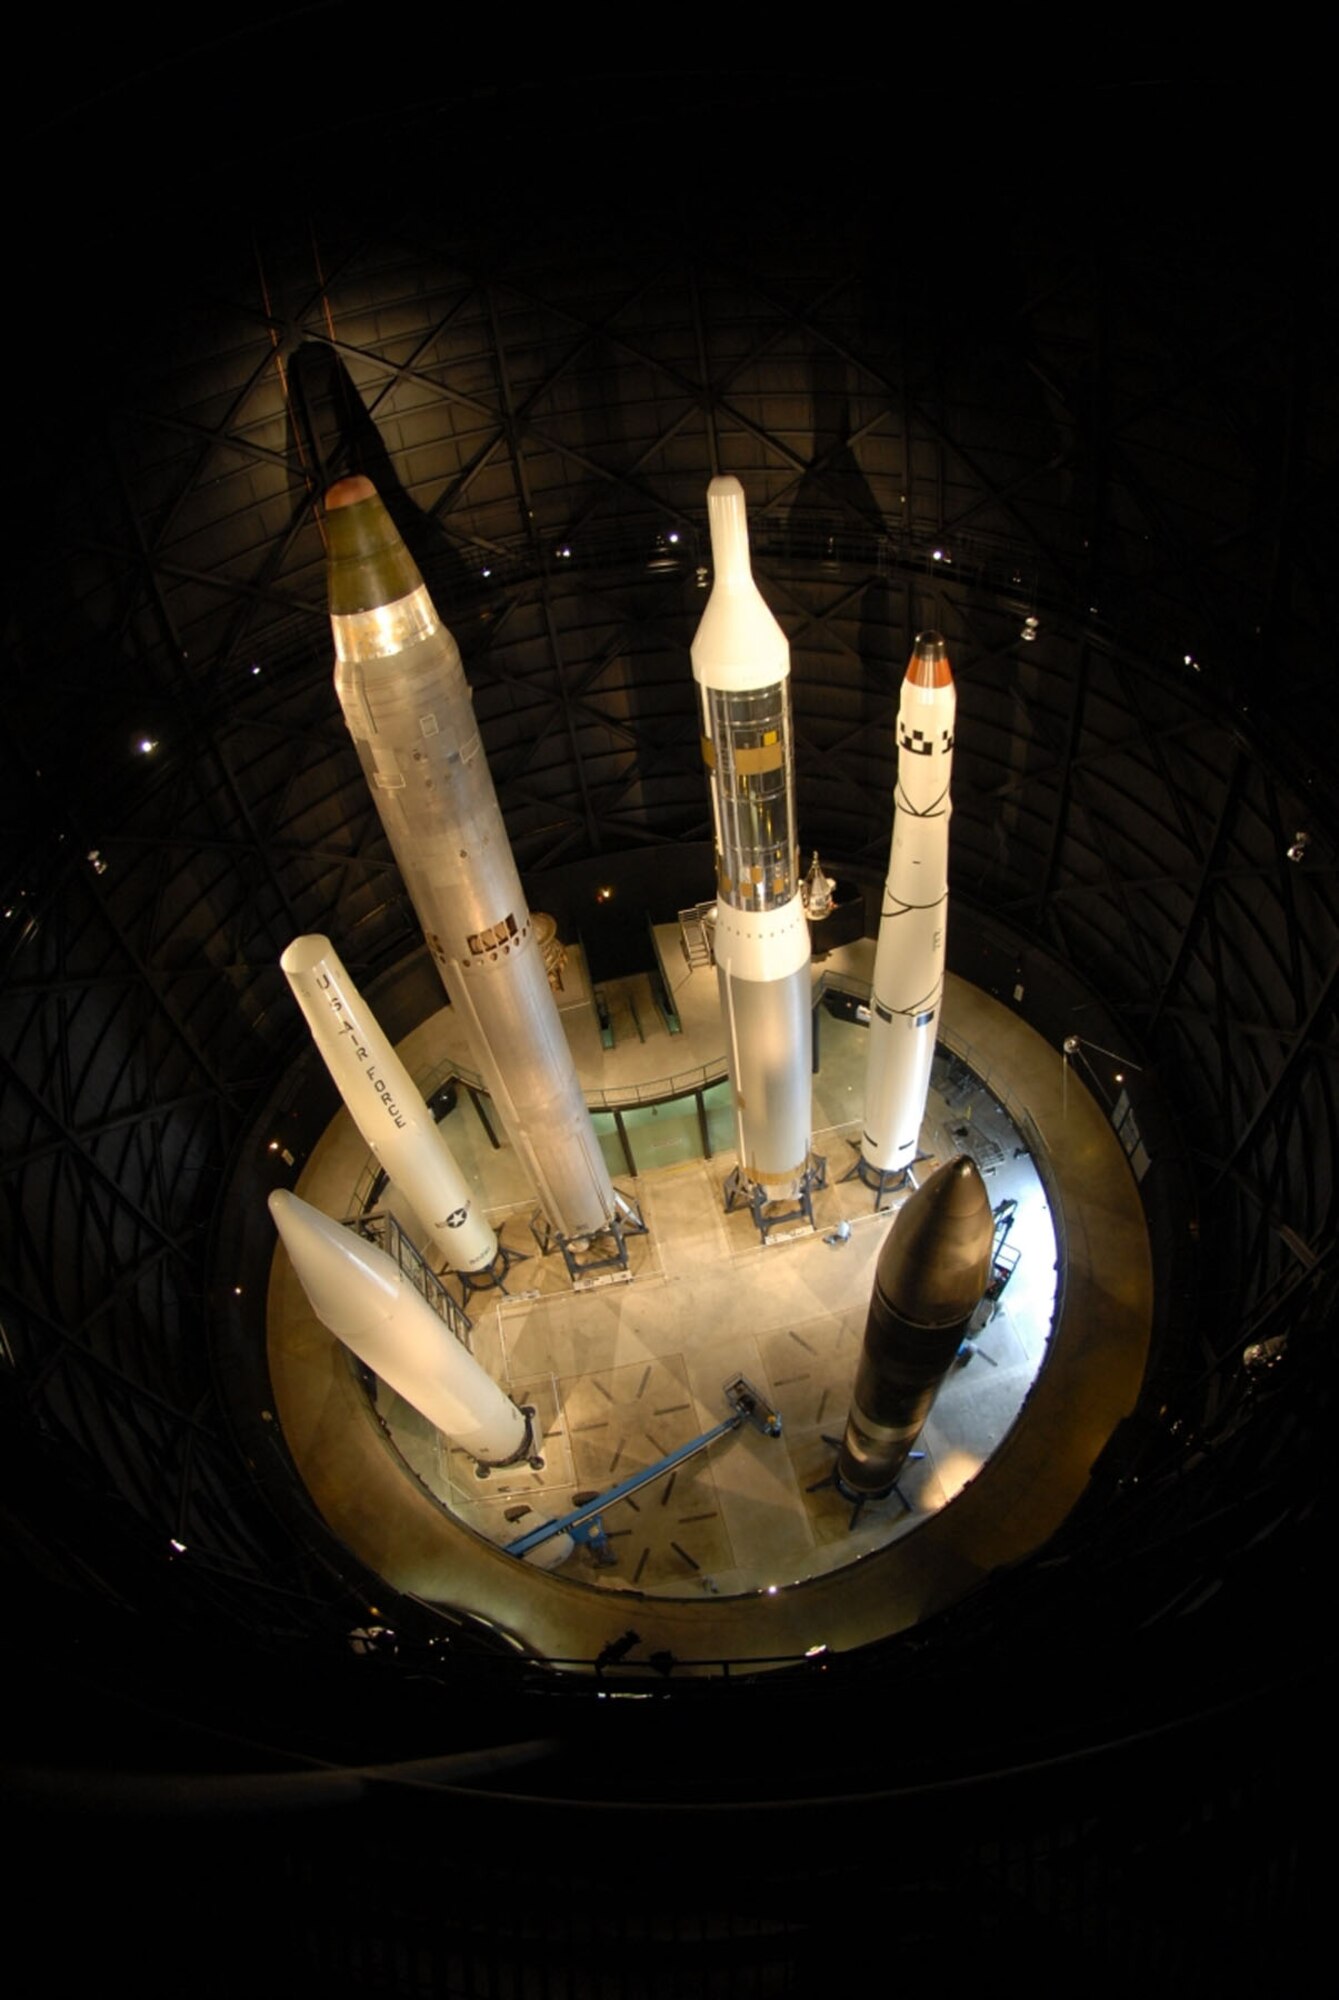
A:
[741,663]
[932,1270]
[908,987]
[408,708]
[381,1098]
[366,1301]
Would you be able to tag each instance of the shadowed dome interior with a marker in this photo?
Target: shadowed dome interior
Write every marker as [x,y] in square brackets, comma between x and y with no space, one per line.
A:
[1085,438]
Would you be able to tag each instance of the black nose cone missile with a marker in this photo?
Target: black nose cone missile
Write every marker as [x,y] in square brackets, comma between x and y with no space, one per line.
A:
[932,1270]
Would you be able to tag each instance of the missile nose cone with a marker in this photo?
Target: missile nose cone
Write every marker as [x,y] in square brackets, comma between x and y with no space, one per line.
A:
[935,1262]
[929,666]
[369,564]
[305,952]
[346,1288]
[728,520]
[345,492]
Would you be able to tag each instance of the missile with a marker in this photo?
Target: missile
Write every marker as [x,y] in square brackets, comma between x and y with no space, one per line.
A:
[381,1098]
[908,987]
[366,1301]
[932,1270]
[741,663]
[408,708]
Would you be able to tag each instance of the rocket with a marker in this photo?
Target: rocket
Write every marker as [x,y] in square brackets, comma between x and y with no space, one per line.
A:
[407,704]
[909,963]
[366,1301]
[741,663]
[932,1270]
[387,1108]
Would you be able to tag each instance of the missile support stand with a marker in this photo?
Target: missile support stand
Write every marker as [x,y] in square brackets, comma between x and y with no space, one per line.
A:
[741,1192]
[858,1500]
[493,1278]
[586,1255]
[527,1451]
[883,1180]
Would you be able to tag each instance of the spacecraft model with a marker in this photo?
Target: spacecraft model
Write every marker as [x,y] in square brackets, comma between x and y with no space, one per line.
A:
[741,663]
[408,707]
[386,1106]
[932,1270]
[360,1293]
[908,987]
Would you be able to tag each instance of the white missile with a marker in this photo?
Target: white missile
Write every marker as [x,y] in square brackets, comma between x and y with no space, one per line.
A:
[408,708]
[908,987]
[361,1295]
[383,1102]
[741,663]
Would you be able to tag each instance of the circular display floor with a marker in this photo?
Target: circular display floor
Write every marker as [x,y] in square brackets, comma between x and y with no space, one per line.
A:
[744,1553]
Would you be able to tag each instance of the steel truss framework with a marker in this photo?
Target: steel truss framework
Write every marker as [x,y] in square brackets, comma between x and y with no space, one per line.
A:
[1097,493]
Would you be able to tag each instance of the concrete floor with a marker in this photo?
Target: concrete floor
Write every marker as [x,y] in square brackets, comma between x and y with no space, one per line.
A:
[629,1366]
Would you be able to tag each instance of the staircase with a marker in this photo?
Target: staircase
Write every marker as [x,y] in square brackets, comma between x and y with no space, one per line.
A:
[694,934]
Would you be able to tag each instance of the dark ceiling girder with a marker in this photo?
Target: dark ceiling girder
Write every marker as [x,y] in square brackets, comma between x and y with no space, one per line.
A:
[1227,808]
[304,510]
[147,985]
[712,390]
[73,1150]
[574,741]
[457,488]
[1302,1047]
[144,1115]
[213,436]
[514,422]
[210,741]
[408,368]
[1064,790]
[66,1347]
[811,617]
[1153,741]
[708,395]
[1285,871]
[915,412]
[523,488]
[223,582]
[1277,1039]
[1093,758]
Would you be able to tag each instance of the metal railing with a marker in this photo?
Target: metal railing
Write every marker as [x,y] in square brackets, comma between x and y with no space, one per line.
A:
[386,1232]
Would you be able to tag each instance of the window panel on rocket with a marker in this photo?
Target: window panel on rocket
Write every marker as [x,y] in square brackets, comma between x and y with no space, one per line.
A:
[747,742]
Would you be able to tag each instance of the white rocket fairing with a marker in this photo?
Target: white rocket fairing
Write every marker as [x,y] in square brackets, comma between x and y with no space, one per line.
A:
[381,1098]
[366,1301]
[408,708]
[741,663]
[909,965]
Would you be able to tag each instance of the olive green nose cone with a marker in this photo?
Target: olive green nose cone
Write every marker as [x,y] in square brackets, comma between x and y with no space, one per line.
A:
[935,1262]
[368,564]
